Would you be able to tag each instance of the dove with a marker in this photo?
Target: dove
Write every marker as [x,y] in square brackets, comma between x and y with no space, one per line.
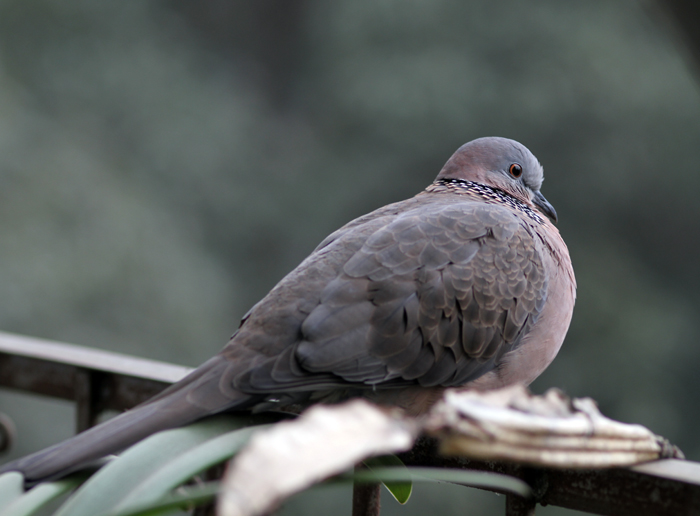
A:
[468,284]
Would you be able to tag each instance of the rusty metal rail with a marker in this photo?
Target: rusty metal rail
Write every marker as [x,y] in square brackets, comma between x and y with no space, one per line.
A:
[96,380]
[100,380]
[663,487]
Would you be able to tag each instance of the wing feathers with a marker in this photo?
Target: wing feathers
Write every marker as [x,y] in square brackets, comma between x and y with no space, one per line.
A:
[432,295]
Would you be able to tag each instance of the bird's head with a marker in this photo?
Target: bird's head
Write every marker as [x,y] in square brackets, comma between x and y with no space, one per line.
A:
[504,164]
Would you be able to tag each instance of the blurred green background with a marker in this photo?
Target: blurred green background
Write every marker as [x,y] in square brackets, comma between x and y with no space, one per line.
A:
[164,163]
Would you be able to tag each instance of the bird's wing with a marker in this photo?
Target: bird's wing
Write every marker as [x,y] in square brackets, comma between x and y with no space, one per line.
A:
[432,295]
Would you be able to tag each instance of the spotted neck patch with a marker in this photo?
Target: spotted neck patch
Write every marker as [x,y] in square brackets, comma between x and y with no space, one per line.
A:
[487,193]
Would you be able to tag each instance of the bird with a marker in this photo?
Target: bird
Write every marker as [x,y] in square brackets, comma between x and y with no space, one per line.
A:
[468,284]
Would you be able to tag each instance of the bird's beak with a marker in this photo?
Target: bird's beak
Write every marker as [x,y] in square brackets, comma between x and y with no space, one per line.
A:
[545,207]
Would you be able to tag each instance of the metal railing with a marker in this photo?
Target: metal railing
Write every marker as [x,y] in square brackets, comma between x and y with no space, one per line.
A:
[96,380]
[100,380]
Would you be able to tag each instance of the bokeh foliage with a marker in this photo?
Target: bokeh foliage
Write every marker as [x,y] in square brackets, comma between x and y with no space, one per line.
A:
[163,164]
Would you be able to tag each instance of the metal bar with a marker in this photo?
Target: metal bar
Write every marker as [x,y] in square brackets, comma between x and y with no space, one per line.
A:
[88,398]
[366,497]
[88,358]
[517,506]
[97,380]
[659,488]
[37,376]
[7,432]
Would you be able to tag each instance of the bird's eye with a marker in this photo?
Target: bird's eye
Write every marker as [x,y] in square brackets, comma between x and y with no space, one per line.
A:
[515,170]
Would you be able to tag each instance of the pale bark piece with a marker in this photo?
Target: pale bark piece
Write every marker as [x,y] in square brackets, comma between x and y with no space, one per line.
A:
[550,430]
[324,441]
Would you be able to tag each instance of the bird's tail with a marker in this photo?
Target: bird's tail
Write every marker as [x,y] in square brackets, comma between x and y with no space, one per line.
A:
[178,405]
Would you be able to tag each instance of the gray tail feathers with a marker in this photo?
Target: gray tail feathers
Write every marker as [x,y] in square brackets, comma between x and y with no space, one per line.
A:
[178,405]
[109,437]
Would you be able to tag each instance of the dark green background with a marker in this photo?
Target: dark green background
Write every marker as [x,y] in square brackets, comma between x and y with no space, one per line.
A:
[164,164]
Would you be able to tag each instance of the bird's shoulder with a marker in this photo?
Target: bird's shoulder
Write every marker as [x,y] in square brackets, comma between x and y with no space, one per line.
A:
[430,215]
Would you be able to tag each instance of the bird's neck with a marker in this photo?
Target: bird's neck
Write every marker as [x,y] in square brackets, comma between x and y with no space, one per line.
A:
[488,193]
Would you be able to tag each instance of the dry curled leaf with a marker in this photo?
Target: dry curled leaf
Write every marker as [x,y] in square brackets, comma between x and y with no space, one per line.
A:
[550,430]
[324,441]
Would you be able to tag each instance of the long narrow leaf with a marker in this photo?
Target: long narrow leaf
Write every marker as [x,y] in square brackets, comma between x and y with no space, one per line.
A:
[483,479]
[200,494]
[110,485]
[38,497]
[195,495]
[11,487]
[185,466]
[401,491]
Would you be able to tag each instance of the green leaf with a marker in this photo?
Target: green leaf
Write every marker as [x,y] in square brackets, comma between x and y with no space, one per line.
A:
[401,491]
[11,487]
[117,480]
[185,466]
[189,496]
[36,498]
[482,479]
